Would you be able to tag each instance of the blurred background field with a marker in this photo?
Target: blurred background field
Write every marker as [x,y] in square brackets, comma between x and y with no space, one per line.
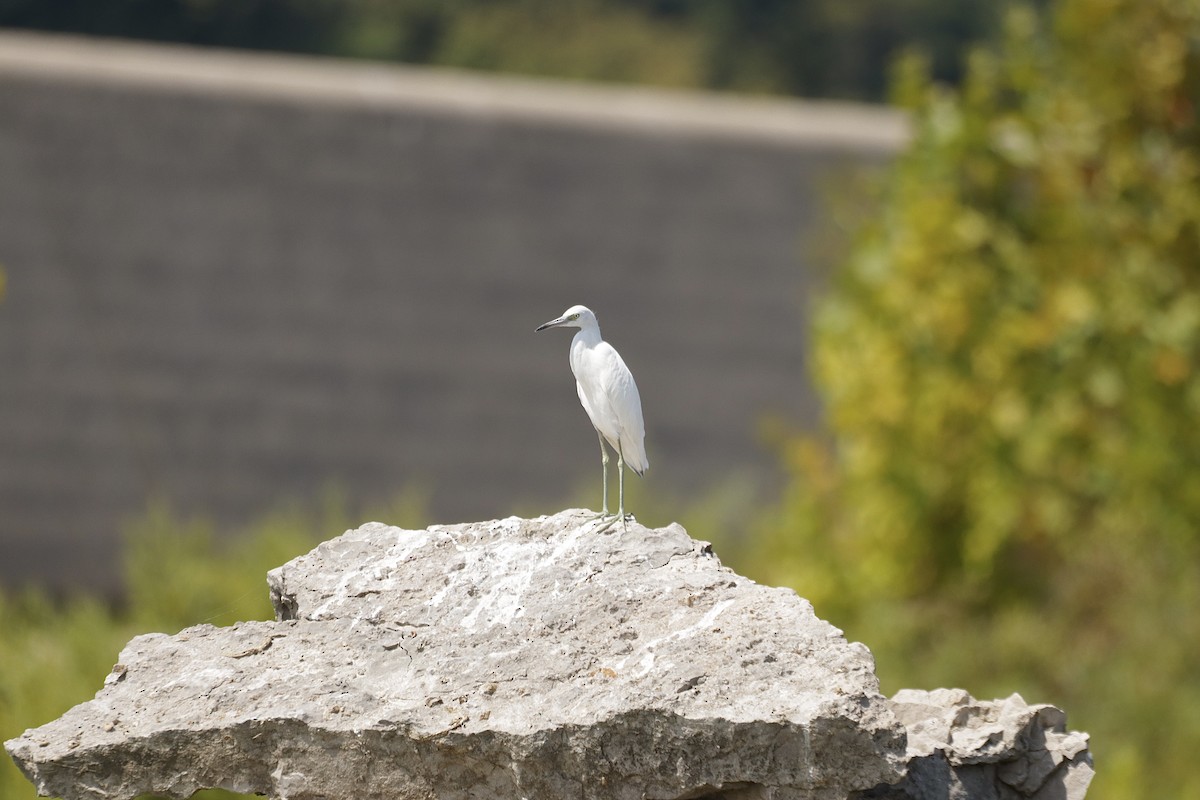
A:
[1002,489]
[812,48]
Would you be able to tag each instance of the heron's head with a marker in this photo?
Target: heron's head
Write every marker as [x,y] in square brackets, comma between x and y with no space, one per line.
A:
[573,317]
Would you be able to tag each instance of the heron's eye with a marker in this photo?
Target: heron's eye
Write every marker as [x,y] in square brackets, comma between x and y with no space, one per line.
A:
[574,316]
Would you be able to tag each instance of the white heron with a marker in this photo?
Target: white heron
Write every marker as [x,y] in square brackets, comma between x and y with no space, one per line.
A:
[608,395]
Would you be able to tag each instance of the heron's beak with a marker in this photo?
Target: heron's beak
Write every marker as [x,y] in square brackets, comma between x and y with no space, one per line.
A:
[554,323]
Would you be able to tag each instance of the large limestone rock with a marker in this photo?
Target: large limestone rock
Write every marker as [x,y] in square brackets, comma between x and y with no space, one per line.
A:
[542,658]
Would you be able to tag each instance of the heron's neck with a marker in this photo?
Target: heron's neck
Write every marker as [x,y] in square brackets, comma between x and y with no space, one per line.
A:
[588,336]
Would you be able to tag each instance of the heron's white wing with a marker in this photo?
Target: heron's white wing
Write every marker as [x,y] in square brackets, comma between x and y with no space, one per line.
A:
[625,406]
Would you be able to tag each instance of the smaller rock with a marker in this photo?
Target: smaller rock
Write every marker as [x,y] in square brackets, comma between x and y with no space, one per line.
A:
[960,748]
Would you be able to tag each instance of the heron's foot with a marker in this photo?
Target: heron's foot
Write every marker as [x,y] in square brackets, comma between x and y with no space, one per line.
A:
[606,521]
[613,520]
[605,514]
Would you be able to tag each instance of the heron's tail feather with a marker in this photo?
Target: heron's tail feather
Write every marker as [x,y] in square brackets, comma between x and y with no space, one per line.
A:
[633,452]
[638,466]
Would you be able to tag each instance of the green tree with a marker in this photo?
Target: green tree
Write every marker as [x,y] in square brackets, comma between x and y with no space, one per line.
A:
[300,26]
[830,48]
[1010,495]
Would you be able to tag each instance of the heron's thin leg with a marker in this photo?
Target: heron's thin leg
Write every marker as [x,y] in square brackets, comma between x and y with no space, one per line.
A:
[620,491]
[621,485]
[604,469]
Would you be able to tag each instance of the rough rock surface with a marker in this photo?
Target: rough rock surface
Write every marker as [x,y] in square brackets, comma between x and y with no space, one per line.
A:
[540,658]
[960,748]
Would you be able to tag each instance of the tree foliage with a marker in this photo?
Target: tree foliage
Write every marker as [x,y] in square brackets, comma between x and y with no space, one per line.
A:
[1011,493]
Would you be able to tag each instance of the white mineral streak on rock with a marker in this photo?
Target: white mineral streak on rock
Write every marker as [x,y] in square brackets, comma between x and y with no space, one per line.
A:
[645,656]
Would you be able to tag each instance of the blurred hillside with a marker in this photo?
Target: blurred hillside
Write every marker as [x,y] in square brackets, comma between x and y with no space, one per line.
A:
[811,48]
